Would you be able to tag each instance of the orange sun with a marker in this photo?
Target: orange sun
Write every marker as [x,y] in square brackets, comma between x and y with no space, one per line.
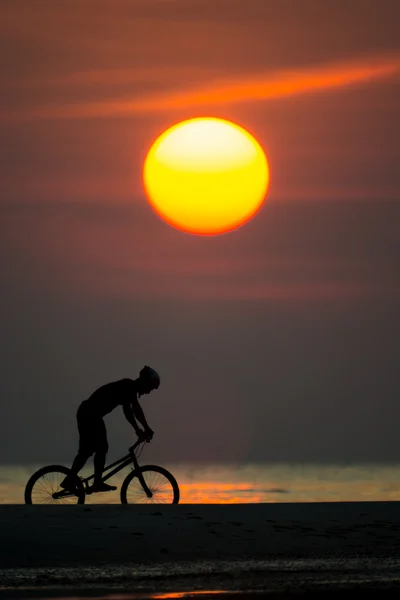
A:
[206,176]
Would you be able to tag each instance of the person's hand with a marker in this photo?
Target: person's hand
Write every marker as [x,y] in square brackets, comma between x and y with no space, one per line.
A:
[148,434]
[145,436]
[141,435]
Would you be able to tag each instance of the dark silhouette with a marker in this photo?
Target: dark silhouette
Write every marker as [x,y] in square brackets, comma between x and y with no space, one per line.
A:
[148,484]
[92,429]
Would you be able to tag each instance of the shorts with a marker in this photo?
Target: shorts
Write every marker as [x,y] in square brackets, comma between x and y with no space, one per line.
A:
[92,431]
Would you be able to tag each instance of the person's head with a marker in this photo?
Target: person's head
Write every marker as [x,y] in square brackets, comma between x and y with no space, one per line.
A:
[148,381]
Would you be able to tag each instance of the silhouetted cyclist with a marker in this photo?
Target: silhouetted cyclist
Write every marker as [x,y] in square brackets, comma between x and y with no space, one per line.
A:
[92,430]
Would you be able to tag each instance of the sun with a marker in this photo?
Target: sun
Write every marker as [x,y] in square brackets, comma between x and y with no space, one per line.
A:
[206,176]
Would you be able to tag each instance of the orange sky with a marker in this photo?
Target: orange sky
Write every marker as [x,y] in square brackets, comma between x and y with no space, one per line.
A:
[285,325]
[242,88]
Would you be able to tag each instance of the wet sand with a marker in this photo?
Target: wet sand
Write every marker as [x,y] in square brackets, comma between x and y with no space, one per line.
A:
[247,547]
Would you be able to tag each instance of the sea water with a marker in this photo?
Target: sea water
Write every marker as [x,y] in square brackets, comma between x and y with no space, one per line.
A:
[232,483]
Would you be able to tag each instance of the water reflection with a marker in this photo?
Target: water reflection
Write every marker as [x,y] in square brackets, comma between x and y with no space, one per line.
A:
[188,594]
[150,596]
[233,484]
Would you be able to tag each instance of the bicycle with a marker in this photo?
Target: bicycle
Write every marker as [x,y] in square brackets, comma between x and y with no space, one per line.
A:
[143,485]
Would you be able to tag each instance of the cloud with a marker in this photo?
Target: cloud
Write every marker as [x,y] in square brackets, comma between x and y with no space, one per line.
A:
[154,74]
[258,87]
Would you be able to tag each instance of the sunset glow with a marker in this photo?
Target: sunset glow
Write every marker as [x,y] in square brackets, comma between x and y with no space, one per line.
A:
[246,87]
[206,176]
[170,595]
[212,188]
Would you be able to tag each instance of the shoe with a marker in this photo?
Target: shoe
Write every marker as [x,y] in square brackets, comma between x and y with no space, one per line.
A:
[103,487]
[68,483]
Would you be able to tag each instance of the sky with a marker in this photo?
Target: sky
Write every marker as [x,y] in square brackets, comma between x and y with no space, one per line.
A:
[275,342]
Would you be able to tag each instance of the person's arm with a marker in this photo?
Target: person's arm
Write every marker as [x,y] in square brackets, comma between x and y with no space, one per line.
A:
[130,417]
[138,413]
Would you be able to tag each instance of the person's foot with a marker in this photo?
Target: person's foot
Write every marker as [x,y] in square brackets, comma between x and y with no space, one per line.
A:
[68,483]
[103,487]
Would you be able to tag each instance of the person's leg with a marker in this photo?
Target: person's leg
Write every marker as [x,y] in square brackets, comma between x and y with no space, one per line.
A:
[79,462]
[99,464]
[85,446]
[101,445]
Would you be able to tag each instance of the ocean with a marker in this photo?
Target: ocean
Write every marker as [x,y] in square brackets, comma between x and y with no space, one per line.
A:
[273,482]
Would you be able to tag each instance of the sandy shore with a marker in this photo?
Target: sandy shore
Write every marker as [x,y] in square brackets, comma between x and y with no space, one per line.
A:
[245,546]
[80,535]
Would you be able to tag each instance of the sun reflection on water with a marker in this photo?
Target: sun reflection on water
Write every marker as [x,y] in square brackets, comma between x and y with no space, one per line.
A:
[232,484]
[187,594]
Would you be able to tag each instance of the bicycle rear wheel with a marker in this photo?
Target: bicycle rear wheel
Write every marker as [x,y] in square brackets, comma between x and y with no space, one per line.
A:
[44,487]
[161,483]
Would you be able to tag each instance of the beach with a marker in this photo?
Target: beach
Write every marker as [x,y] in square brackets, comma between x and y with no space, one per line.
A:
[265,548]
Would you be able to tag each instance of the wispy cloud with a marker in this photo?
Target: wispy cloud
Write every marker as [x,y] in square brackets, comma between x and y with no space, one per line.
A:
[155,74]
[258,87]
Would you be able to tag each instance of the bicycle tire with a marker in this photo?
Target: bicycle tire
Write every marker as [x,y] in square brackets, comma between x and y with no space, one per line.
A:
[45,493]
[173,493]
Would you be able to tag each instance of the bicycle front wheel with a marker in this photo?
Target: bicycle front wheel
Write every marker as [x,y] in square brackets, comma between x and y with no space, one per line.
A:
[162,485]
[44,487]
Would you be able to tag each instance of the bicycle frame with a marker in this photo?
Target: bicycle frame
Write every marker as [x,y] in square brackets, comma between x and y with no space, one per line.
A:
[114,468]
[119,464]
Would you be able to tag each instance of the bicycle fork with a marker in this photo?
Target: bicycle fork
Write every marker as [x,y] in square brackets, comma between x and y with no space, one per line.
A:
[142,480]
